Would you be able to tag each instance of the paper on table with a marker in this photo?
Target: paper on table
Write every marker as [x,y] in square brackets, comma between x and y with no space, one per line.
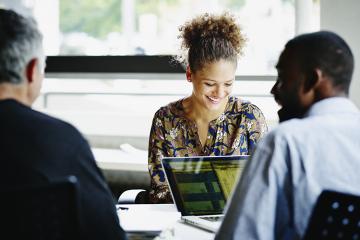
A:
[140,218]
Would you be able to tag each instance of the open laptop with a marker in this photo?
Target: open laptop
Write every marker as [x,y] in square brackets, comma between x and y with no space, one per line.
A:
[200,186]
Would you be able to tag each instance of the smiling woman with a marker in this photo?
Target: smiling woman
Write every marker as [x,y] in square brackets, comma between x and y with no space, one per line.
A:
[212,84]
[210,121]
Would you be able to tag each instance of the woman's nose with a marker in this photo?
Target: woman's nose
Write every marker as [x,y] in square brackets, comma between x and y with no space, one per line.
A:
[220,92]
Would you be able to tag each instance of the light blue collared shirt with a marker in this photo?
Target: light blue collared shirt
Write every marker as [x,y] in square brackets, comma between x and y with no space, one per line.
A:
[290,167]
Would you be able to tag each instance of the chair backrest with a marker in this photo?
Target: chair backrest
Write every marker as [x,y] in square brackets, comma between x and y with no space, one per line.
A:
[41,212]
[335,216]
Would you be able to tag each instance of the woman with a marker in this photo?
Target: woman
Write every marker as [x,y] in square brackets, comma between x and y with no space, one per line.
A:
[210,121]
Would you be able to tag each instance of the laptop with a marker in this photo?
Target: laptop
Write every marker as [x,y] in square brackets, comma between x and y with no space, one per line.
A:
[201,186]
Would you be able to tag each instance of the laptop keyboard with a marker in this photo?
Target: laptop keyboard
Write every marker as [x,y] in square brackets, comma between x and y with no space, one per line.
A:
[212,219]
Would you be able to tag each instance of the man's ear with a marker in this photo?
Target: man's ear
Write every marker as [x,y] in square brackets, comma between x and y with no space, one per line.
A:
[312,79]
[188,74]
[31,70]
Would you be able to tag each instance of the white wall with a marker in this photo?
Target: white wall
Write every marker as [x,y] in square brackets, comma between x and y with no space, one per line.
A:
[343,17]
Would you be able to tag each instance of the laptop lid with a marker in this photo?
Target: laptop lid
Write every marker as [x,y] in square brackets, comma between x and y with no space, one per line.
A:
[201,185]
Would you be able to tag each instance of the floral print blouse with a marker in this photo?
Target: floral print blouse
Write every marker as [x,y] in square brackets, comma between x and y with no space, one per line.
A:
[235,132]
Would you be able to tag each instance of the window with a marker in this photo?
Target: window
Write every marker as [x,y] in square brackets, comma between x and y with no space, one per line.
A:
[143,27]
[125,107]
[122,104]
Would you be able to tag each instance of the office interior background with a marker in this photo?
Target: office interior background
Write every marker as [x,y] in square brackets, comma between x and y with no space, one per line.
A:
[109,62]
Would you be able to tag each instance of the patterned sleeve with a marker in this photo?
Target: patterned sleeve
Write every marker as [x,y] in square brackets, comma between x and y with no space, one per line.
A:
[256,126]
[159,192]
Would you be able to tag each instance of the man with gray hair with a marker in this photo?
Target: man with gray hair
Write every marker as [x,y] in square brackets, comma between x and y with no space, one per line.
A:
[36,148]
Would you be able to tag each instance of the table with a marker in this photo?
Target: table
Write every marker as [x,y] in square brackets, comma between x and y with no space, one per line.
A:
[124,168]
[117,159]
[160,219]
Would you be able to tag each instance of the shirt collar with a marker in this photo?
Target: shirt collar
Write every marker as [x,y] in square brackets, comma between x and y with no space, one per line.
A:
[333,105]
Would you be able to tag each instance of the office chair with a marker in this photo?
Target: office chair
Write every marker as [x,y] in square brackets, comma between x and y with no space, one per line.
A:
[42,212]
[335,216]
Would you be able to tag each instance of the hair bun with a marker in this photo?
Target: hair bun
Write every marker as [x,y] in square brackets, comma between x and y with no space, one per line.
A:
[210,26]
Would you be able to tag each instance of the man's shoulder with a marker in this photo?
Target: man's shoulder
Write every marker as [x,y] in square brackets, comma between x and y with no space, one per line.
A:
[53,124]
[39,123]
[46,119]
[288,127]
[291,130]
[29,126]
[287,136]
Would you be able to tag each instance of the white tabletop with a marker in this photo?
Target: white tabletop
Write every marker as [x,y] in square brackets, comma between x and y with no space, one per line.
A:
[159,217]
[183,231]
[119,159]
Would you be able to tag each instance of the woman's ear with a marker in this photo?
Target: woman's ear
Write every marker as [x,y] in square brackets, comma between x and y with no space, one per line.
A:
[188,74]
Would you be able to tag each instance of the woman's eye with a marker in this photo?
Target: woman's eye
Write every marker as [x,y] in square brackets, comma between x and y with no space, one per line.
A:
[228,84]
[209,84]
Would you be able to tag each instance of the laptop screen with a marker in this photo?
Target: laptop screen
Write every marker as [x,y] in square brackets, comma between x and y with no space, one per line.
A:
[202,185]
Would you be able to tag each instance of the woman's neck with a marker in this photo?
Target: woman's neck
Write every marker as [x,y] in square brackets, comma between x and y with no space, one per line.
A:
[197,112]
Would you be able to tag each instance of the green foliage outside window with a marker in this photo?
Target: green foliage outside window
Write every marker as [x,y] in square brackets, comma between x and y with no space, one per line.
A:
[95,17]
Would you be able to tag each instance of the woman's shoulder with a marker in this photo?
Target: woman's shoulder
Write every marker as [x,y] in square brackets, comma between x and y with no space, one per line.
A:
[249,113]
[172,109]
[241,106]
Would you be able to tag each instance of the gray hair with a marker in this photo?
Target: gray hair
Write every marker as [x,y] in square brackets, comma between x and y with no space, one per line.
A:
[20,41]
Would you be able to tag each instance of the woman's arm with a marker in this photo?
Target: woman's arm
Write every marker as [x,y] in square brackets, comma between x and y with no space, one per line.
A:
[159,192]
[256,126]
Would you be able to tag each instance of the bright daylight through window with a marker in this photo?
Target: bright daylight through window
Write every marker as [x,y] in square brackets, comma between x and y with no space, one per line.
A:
[143,27]
[124,106]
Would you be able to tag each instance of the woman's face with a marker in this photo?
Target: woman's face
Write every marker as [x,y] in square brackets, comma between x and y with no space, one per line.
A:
[213,84]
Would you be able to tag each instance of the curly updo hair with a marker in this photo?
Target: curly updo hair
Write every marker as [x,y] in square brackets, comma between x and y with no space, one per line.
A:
[209,38]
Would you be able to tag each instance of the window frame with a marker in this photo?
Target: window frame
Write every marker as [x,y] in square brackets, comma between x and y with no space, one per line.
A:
[113,64]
